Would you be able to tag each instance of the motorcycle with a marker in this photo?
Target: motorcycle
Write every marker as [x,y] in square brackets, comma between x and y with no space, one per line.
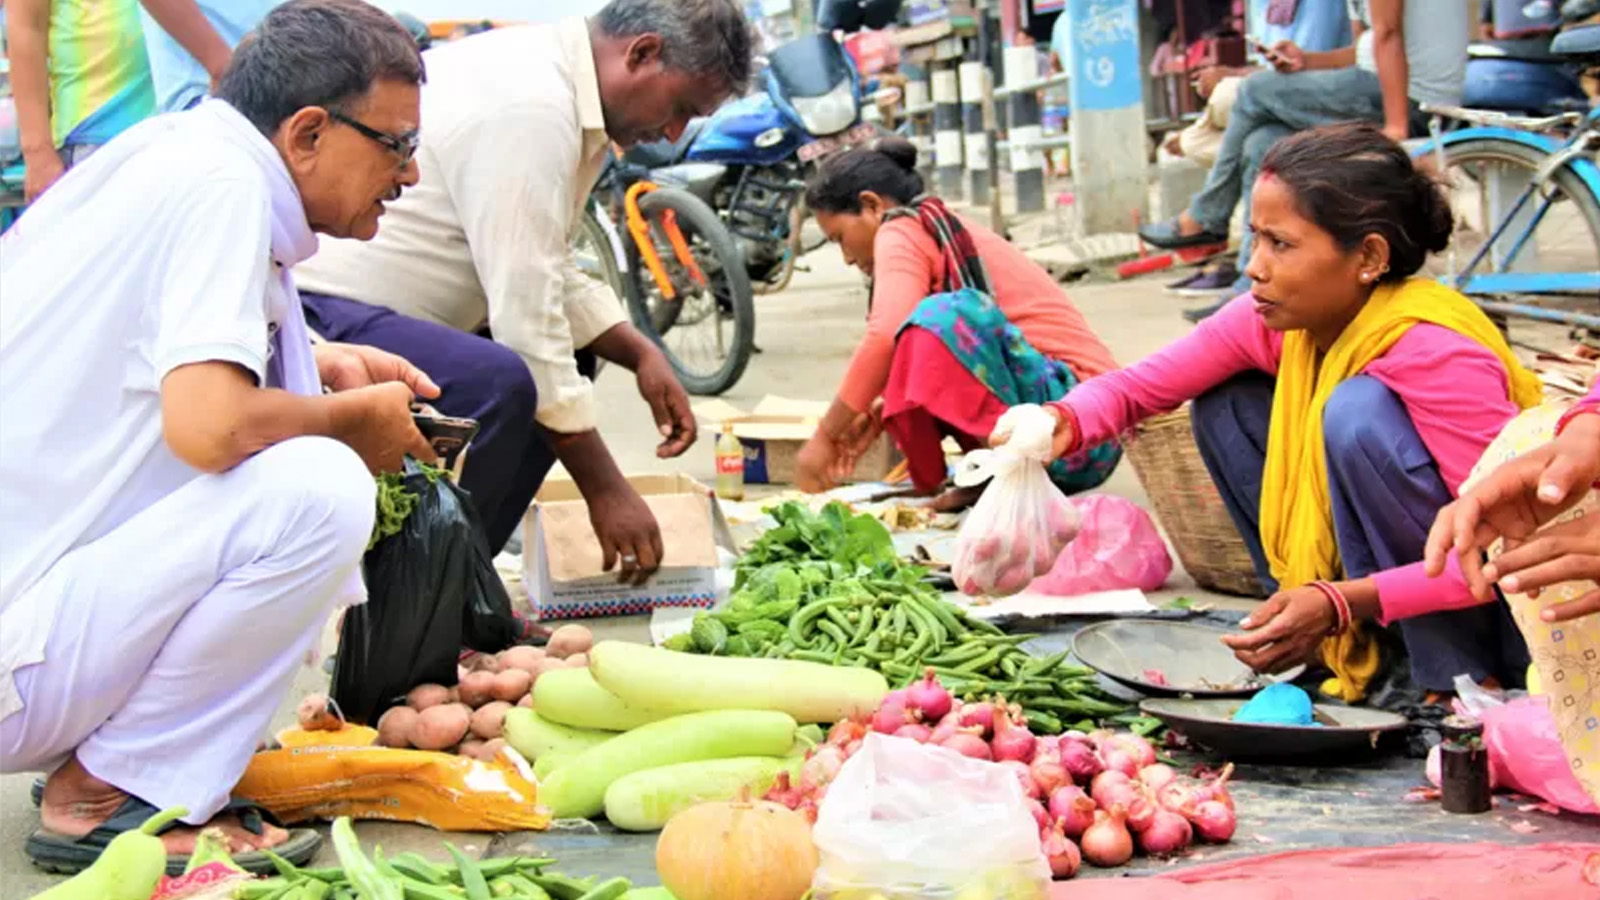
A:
[1516,72]
[749,159]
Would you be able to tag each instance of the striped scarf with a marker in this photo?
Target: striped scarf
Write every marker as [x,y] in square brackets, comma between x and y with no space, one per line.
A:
[962,268]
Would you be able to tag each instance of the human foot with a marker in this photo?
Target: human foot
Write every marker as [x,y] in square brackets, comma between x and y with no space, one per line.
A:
[1180,232]
[75,803]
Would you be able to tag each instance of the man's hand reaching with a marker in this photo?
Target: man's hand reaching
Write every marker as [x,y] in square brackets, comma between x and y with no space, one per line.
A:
[630,537]
[1516,500]
[669,403]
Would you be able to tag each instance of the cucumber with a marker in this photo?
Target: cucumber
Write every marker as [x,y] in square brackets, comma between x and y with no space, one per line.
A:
[534,736]
[551,761]
[652,678]
[644,801]
[571,697]
[577,789]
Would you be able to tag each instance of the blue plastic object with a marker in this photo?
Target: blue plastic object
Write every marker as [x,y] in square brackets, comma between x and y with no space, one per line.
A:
[1278,704]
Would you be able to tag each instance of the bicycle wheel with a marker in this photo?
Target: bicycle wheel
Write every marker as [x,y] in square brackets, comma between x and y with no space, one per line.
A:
[708,329]
[596,249]
[1484,177]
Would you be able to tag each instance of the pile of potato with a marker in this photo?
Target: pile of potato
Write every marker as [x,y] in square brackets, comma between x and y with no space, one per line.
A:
[467,718]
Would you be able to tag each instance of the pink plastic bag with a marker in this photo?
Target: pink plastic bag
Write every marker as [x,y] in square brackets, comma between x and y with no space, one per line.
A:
[1525,753]
[1117,547]
[1526,756]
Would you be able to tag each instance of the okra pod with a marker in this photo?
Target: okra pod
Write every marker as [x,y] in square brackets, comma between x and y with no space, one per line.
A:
[609,889]
[471,874]
[414,865]
[1041,721]
[561,887]
[370,884]
[982,663]
[1042,665]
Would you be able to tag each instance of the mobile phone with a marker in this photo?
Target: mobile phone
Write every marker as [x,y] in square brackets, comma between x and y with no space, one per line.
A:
[446,434]
[1262,48]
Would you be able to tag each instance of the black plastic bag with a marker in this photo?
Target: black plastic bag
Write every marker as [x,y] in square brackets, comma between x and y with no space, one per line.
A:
[431,590]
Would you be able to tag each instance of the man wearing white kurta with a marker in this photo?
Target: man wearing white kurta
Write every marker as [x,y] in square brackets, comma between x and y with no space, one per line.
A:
[184,504]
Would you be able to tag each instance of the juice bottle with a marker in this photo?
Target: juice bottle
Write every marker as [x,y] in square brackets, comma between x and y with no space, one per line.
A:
[730,465]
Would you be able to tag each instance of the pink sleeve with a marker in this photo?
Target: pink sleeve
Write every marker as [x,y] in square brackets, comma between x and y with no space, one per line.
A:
[1454,389]
[1232,341]
[1589,404]
[1407,591]
[901,277]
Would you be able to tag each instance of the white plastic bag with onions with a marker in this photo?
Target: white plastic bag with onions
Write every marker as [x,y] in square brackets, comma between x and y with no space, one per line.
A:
[1023,521]
[913,820]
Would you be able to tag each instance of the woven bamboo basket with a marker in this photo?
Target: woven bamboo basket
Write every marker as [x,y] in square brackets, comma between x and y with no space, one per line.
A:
[1168,463]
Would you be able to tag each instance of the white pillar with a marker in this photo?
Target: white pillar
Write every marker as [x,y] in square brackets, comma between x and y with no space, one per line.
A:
[947,154]
[976,140]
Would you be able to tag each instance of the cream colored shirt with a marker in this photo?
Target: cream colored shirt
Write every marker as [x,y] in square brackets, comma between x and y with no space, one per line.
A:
[512,140]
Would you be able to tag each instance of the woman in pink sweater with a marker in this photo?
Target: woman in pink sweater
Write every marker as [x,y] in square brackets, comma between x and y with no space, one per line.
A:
[960,326]
[1338,408]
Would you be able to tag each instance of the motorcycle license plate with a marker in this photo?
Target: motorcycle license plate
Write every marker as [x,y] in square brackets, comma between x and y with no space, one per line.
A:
[827,146]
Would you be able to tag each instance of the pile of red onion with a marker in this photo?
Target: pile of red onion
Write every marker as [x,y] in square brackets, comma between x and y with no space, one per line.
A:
[1097,797]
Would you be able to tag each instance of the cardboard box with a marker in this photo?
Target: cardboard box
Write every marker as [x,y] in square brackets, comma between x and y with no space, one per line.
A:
[562,559]
[773,434]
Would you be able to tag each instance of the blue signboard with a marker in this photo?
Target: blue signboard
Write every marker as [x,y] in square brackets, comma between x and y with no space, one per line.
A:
[1104,42]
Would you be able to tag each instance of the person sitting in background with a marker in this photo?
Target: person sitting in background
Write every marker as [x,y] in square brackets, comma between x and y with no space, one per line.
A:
[960,325]
[1316,26]
[1313,25]
[472,275]
[80,78]
[1406,53]
[1338,407]
[187,481]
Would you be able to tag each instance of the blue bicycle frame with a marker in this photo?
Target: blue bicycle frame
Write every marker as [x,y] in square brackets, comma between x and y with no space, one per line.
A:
[1471,281]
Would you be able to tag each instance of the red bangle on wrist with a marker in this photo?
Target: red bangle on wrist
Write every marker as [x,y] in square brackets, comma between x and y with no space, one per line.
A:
[1071,418]
[1341,607]
[1583,408]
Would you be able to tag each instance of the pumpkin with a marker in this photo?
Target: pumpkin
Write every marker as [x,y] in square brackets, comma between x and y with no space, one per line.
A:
[749,849]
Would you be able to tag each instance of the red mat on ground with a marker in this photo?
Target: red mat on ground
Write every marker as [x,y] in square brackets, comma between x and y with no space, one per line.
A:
[1403,872]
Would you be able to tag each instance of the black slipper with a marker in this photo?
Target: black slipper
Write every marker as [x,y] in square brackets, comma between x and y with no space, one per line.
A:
[64,855]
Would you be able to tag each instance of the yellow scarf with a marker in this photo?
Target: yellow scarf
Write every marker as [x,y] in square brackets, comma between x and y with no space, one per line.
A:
[1296,511]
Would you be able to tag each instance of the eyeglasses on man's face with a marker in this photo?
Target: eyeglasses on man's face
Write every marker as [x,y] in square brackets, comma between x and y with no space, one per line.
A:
[403,146]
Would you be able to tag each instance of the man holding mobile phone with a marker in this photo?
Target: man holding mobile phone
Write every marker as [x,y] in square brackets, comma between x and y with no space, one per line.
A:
[1406,53]
[1319,25]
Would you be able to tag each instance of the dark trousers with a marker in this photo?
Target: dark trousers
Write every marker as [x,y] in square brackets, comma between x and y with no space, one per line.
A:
[1386,490]
[478,379]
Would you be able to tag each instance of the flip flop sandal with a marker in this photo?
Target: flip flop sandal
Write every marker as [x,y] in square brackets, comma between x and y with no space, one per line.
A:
[66,856]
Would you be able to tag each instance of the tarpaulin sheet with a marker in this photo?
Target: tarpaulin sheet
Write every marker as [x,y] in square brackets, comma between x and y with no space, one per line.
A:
[1401,872]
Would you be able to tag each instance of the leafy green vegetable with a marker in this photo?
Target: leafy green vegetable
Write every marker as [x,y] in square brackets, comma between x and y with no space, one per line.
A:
[708,635]
[396,502]
[828,587]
